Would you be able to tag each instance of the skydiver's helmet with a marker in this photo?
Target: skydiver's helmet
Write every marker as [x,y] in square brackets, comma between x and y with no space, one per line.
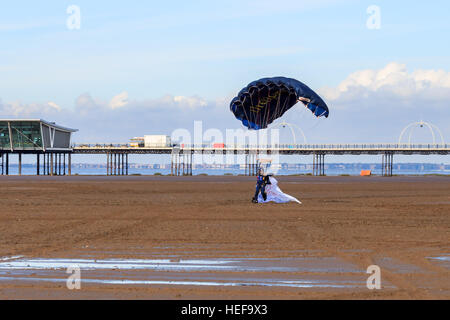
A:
[260,171]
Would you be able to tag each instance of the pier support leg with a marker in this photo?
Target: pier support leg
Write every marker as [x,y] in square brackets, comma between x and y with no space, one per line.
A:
[111,168]
[108,163]
[316,161]
[119,163]
[114,164]
[20,164]
[123,164]
[70,164]
[64,163]
[192,162]
[245,164]
[322,164]
[38,157]
[318,165]
[51,164]
[387,164]
[184,164]
[174,164]
[314,165]
[392,164]
[7,164]
[126,160]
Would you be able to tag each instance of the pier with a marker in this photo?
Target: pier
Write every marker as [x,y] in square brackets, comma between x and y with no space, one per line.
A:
[182,156]
[53,162]
[51,143]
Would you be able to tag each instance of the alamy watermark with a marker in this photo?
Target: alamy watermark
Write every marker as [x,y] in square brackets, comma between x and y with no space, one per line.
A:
[374,20]
[229,148]
[73,21]
[74,280]
[374,280]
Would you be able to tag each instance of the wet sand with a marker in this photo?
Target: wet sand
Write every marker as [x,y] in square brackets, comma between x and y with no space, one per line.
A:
[156,237]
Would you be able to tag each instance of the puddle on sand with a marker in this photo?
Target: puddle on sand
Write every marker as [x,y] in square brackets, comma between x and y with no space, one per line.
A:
[397,266]
[309,265]
[261,283]
[314,272]
[442,260]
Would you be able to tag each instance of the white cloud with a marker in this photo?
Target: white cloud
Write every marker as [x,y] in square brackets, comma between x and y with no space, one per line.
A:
[86,103]
[28,110]
[392,81]
[54,105]
[119,100]
[190,102]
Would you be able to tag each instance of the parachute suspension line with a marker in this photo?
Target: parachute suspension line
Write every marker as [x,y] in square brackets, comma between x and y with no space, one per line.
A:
[284,105]
[259,113]
[275,115]
[321,114]
[266,111]
[302,113]
[278,112]
[245,113]
[318,121]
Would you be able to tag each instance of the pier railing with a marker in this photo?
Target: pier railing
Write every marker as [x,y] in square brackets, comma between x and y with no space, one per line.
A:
[348,146]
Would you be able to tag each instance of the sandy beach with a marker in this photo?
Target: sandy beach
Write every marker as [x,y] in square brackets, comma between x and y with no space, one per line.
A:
[200,237]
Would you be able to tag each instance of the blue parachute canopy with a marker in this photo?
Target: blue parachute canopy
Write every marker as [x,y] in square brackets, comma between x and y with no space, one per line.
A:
[267,99]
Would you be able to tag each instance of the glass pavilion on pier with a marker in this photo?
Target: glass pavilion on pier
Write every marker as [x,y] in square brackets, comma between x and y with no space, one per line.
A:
[36,136]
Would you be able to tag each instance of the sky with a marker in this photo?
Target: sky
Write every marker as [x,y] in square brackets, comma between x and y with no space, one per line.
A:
[126,69]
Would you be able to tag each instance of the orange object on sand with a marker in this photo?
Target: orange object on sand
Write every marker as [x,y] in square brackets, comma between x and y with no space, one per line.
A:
[366,173]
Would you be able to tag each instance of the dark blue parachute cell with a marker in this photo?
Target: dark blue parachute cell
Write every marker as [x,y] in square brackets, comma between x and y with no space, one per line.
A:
[267,99]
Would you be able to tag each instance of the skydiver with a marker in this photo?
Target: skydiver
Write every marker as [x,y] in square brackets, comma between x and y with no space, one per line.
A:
[261,181]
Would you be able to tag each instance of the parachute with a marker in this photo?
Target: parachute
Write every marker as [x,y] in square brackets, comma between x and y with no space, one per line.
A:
[267,99]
